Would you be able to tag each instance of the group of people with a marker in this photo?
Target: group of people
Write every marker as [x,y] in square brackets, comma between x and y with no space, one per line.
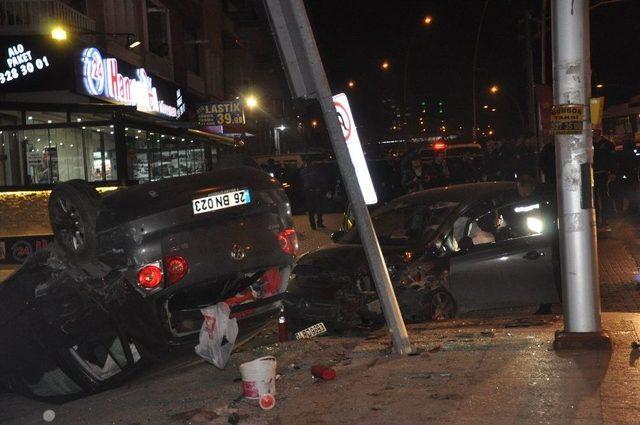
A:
[616,174]
[615,177]
[499,160]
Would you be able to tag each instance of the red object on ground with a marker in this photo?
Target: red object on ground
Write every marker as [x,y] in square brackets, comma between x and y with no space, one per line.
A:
[323,372]
[267,401]
[283,335]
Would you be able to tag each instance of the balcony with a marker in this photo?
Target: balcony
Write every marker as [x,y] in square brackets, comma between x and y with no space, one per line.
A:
[18,17]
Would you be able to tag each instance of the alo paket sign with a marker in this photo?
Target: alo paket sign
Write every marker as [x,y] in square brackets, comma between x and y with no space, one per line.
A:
[355,148]
[20,63]
[101,78]
[220,113]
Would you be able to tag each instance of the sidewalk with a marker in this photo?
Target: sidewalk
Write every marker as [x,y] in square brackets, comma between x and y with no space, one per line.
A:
[481,371]
[310,239]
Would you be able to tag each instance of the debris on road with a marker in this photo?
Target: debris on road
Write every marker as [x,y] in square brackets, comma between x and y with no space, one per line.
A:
[234,419]
[217,335]
[267,401]
[323,372]
[258,377]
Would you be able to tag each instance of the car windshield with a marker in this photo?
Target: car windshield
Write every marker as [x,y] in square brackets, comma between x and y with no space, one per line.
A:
[406,223]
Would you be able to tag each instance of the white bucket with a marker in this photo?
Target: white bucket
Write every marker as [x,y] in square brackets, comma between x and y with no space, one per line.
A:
[258,377]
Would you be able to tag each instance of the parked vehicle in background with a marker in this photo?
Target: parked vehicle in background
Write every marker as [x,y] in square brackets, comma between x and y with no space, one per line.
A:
[449,251]
[130,272]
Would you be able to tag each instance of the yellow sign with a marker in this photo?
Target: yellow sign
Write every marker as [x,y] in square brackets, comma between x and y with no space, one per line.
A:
[567,119]
[597,110]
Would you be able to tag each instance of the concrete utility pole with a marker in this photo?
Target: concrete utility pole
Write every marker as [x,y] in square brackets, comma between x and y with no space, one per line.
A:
[305,72]
[574,154]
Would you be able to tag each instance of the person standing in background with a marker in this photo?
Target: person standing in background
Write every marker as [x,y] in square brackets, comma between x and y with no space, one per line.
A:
[604,168]
[547,162]
[315,187]
[627,177]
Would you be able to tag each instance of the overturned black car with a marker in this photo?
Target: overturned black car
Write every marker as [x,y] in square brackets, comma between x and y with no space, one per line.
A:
[130,271]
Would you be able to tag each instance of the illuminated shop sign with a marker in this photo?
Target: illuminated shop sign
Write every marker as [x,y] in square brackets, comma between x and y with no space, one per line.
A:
[20,63]
[101,78]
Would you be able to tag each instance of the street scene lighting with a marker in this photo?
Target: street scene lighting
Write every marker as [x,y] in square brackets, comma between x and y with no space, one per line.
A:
[389,195]
[252,102]
[132,41]
[58,33]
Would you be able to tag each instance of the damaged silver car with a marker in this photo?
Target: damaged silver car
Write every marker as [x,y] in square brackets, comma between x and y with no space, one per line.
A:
[449,251]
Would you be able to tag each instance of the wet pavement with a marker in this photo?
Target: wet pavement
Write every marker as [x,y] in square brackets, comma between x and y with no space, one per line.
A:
[476,371]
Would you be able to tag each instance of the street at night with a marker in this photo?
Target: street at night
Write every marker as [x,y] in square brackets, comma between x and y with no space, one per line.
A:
[319,211]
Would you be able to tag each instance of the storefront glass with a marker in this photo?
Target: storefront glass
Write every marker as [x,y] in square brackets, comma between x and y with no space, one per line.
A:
[61,154]
[155,156]
[36,117]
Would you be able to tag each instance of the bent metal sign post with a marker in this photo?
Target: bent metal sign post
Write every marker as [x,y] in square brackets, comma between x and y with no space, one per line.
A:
[21,63]
[101,78]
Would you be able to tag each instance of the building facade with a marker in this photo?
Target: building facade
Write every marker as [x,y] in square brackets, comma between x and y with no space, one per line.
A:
[114,102]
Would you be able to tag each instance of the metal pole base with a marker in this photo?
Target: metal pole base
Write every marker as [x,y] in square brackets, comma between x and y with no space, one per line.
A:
[582,341]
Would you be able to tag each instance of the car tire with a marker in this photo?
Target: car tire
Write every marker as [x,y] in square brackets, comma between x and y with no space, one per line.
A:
[73,209]
[440,305]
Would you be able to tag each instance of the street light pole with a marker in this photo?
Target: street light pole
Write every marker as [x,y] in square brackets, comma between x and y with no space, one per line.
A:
[426,21]
[494,90]
[474,131]
[574,153]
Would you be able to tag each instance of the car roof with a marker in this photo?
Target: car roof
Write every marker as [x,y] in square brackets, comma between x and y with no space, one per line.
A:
[468,193]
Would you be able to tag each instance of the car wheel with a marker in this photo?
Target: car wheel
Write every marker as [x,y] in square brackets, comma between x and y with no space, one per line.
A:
[73,209]
[440,305]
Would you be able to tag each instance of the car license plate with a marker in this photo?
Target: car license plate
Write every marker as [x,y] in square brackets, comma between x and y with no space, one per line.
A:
[221,200]
[311,331]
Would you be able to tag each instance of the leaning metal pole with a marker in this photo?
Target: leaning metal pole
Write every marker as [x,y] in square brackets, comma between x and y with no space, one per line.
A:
[302,62]
[574,153]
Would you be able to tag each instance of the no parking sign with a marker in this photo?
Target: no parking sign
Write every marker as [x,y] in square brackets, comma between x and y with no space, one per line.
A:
[355,148]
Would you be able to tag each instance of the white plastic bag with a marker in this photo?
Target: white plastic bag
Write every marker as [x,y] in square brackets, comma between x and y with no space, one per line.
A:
[215,327]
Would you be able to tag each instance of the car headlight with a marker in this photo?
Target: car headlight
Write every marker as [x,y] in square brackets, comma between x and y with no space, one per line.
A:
[534,224]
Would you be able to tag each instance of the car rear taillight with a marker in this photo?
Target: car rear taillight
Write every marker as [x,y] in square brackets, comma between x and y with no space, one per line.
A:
[150,276]
[176,267]
[288,241]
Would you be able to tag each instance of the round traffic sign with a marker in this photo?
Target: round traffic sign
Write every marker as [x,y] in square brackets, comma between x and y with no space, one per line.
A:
[344,120]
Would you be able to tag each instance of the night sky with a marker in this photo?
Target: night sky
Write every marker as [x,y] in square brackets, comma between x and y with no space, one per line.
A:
[355,36]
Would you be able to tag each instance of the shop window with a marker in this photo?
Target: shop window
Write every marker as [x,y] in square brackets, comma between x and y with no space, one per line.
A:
[100,153]
[59,154]
[137,154]
[34,117]
[158,28]
[155,156]
[80,118]
[9,159]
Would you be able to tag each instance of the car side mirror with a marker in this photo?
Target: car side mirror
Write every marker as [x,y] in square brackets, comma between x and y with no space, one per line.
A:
[337,235]
[466,243]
